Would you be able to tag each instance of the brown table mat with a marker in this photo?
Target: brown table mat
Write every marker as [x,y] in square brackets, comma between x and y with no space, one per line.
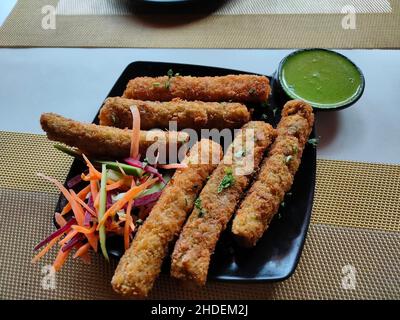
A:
[355,222]
[271,25]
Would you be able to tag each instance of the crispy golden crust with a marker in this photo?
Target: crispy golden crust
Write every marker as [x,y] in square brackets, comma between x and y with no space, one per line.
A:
[141,263]
[289,147]
[300,108]
[188,114]
[102,141]
[276,174]
[297,121]
[196,244]
[240,88]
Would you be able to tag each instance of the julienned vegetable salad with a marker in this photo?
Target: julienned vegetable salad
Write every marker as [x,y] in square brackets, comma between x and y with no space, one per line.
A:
[115,200]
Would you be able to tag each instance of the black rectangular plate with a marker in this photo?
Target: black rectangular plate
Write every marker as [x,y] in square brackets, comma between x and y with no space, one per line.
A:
[276,255]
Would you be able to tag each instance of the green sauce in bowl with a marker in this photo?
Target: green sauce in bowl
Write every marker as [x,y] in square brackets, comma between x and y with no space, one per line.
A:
[323,78]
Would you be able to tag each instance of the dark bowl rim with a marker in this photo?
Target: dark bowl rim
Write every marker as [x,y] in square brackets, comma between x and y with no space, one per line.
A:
[347,104]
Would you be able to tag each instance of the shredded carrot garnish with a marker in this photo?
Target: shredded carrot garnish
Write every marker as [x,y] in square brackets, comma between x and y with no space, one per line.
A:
[128,221]
[110,181]
[46,249]
[60,219]
[89,236]
[93,239]
[135,131]
[68,237]
[83,229]
[82,250]
[94,190]
[76,208]
[116,185]
[81,195]
[86,177]
[127,225]
[78,211]
[127,190]
[82,203]
[89,177]
[60,259]
[93,172]
[129,195]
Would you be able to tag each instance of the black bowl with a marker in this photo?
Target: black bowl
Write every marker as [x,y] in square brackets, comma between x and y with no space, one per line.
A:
[283,91]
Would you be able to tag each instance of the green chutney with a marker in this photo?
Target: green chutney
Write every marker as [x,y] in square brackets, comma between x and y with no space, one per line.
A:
[323,78]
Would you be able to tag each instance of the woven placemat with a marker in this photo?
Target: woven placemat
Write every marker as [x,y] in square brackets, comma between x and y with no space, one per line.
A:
[237,24]
[355,226]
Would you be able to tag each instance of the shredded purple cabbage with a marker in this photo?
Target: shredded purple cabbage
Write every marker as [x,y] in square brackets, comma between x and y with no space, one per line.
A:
[74,240]
[56,233]
[147,199]
[147,168]
[75,180]
[88,219]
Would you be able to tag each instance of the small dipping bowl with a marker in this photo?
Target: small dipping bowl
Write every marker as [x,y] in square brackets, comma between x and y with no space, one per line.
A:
[325,79]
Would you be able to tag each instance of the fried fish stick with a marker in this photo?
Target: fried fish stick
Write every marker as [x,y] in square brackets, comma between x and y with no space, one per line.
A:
[239,88]
[101,141]
[216,203]
[276,174]
[188,114]
[141,263]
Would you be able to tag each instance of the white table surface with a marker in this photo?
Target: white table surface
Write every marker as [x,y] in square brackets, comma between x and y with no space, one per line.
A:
[5,8]
[74,82]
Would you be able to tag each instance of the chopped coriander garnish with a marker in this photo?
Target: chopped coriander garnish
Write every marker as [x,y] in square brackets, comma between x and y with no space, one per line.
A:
[227,180]
[177,74]
[264,116]
[252,91]
[314,141]
[283,204]
[170,74]
[156,84]
[288,159]
[197,203]
[295,149]
[289,194]
[274,111]
[208,178]
[279,215]
[199,207]
[139,222]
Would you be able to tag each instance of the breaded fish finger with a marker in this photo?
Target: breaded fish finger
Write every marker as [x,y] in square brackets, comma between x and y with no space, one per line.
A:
[102,141]
[216,203]
[276,174]
[239,88]
[141,263]
[188,114]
